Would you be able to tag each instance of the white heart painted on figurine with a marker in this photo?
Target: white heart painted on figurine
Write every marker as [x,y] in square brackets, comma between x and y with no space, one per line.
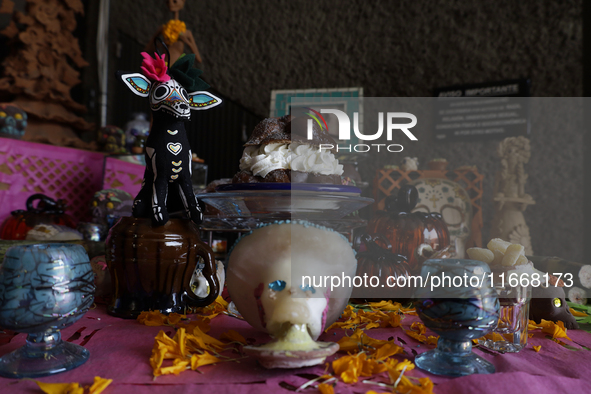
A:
[174,148]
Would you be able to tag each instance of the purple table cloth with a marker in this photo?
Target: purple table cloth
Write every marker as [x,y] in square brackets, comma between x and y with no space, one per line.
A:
[120,350]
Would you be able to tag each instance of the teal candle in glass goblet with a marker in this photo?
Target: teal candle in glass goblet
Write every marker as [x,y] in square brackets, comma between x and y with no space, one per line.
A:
[44,289]
[459,304]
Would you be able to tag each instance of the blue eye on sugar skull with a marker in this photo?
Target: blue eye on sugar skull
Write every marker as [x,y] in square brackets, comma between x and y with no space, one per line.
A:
[308,288]
[278,285]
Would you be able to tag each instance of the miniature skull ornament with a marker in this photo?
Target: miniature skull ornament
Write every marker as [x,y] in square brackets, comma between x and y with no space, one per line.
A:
[108,205]
[276,278]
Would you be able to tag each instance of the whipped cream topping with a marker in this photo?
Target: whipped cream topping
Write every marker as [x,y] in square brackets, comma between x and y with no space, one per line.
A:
[261,160]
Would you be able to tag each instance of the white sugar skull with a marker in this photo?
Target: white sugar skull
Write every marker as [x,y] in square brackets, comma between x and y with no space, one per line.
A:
[276,278]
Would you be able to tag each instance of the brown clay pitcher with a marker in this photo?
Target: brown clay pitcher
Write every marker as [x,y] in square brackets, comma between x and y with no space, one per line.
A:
[151,267]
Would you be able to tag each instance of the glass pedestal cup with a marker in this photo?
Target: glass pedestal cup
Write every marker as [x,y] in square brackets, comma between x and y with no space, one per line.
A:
[510,335]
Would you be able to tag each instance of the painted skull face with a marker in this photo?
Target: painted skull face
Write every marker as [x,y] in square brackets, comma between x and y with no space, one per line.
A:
[171,98]
[268,271]
[109,205]
[13,121]
[550,304]
[175,5]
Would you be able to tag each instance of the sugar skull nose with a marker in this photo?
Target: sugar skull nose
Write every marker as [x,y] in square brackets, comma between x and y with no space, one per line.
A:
[184,106]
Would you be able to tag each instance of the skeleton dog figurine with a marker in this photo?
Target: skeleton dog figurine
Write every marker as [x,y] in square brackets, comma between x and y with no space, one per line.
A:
[173,93]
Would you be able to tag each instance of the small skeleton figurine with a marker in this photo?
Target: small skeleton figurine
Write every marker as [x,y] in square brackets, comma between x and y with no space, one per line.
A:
[510,199]
[514,153]
[175,34]
[173,93]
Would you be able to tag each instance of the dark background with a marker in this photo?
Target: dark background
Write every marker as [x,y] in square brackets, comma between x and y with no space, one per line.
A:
[391,49]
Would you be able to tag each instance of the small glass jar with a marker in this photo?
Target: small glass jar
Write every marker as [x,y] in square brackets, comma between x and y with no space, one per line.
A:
[513,287]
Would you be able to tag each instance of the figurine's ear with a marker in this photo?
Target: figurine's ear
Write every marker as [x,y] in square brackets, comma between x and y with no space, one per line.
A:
[203,100]
[138,84]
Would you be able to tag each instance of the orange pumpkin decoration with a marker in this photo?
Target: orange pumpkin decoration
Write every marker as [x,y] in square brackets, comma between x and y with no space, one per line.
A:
[406,231]
[48,211]
[377,260]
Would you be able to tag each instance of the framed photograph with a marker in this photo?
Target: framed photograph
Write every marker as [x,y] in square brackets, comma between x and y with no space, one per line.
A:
[348,100]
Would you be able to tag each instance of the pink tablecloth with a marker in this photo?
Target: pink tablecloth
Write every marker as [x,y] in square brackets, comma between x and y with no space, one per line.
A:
[120,350]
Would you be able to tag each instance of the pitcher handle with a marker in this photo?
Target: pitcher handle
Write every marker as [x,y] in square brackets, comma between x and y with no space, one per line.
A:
[209,273]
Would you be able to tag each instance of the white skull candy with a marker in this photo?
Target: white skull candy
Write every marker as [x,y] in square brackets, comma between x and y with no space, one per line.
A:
[275,275]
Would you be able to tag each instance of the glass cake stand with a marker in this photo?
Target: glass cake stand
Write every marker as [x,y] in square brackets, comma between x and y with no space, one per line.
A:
[242,207]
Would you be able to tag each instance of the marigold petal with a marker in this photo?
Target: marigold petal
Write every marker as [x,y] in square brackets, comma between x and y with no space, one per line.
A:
[199,360]
[577,313]
[537,348]
[387,350]
[181,339]
[99,385]
[201,322]
[174,318]
[416,335]
[152,318]
[385,305]
[60,388]
[325,388]
[419,327]
[177,367]
[233,336]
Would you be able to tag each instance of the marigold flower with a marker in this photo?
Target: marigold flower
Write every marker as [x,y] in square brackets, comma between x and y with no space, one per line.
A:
[172,29]
[155,67]
[349,367]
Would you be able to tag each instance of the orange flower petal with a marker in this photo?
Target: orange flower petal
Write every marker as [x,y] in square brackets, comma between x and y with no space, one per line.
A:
[60,388]
[325,388]
[419,327]
[99,385]
[174,318]
[578,313]
[233,336]
[177,367]
[152,318]
[537,348]
[387,350]
[199,360]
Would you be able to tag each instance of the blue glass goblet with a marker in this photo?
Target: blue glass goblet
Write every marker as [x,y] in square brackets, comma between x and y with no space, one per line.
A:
[43,289]
[462,307]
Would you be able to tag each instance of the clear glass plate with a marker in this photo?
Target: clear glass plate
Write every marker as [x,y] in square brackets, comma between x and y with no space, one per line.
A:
[285,204]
